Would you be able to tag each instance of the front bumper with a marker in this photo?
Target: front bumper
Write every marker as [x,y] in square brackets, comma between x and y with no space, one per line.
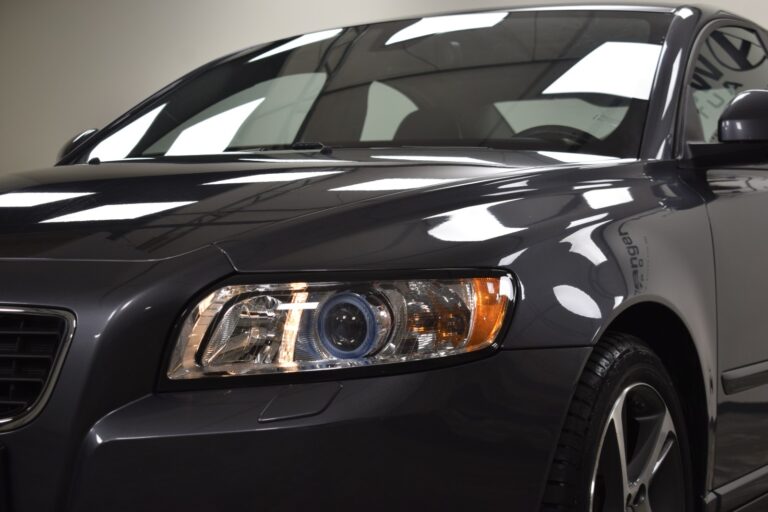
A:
[471,437]
[478,435]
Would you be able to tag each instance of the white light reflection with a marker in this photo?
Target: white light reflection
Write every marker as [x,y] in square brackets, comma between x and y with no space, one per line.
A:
[290,306]
[505,287]
[300,41]
[511,192]
[615,68]
[582,243]
[673,79]
[508,260]
[471,224]
[276,177]
[517,184]
[393,184]
[592,186]
[576,158]
[29,199]
[297,161]
[291,329]
[443,24]
[577,301]
[213,135]
[385,111]
[118,212]
[617,301]
[684,13]
[120,144]
[445,159]
[593,7]
[587,220]
[597,199]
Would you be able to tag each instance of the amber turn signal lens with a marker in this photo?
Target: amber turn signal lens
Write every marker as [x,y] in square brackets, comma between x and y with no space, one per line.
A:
[491,302]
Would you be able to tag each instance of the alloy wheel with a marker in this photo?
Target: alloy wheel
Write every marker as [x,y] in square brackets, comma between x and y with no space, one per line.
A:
[639,465]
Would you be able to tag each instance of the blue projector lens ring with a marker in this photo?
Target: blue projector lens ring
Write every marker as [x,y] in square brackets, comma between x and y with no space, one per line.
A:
[347,326]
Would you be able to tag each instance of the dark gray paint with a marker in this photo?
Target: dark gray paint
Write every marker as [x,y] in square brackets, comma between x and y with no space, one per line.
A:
[457,438]
[735,192]
[745,378]
[605,236]
[744,119]
[740,252]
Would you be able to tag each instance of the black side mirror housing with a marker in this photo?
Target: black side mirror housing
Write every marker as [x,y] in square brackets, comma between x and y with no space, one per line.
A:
[74,142]
[746,118]
[742,133]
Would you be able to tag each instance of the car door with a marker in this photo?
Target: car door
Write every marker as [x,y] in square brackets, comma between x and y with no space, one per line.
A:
[730,58]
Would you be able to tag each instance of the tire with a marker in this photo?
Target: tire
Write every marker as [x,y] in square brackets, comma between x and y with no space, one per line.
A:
[624,388]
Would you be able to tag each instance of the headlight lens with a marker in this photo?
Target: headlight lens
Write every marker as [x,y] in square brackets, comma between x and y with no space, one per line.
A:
[274,328]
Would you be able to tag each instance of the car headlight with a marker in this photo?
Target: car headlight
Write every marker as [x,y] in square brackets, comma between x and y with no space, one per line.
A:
[290,327]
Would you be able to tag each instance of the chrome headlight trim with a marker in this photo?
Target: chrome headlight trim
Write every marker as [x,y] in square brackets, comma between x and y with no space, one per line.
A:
[193,359]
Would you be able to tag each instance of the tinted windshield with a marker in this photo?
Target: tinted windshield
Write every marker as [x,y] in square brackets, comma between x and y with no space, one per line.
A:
[574,81]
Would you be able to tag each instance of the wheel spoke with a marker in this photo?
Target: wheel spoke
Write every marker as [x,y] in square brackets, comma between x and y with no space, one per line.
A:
[665,451]
[643,506]
[657,449]
[637,441]
[617,419]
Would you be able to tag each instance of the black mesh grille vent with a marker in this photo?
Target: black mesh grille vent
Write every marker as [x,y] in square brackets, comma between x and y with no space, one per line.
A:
[29,345]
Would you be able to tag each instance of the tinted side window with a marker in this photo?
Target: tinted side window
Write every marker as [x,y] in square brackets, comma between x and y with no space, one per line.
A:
[730,61]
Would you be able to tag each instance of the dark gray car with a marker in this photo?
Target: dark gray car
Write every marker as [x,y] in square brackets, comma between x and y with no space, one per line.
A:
[509,259]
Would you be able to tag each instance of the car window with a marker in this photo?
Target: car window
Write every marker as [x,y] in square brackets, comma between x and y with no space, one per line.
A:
[599,120]
[731,60]
[386,110]
[269,112]
[575,81]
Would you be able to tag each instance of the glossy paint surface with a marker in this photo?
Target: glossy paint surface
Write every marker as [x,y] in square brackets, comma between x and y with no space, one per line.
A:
[144,210]
[126,246]
[735,193]
[740,200]
[489,449]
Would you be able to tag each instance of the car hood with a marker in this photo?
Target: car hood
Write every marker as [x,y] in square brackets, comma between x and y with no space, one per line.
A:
[149,209]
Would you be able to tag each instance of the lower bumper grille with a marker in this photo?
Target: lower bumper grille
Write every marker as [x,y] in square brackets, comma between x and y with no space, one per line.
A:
[32,343]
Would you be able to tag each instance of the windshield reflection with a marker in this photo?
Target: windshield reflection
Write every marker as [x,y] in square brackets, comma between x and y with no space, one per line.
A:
[120,144]
[304,40]
[214,134]
[445,24]
[572,85]
[616,69]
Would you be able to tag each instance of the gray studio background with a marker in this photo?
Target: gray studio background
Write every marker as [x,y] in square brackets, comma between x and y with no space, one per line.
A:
[67,65]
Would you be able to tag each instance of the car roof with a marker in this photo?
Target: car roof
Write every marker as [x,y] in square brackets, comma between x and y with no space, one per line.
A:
[707,11]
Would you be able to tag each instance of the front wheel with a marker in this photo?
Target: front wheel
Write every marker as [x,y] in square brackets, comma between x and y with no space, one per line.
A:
[624,446]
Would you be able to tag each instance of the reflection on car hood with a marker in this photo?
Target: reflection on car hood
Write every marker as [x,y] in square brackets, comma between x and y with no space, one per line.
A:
[146,210]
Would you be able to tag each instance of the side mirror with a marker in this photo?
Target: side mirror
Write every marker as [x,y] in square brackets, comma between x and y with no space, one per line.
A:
[746,118]
[742,131]
[74,142]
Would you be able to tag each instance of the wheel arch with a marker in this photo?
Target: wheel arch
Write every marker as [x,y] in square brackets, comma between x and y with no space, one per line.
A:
[664,330]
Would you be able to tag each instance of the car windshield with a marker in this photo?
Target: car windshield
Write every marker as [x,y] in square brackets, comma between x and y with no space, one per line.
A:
[576,81]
